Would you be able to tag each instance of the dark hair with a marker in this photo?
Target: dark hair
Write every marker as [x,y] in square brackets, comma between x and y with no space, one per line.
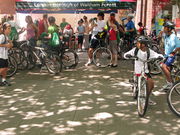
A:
[112,14]
[84,17]
[101,14]
[140,23]
[51,19]
[45,16]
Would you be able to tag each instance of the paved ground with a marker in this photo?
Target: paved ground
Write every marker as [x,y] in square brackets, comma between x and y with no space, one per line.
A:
[82,101]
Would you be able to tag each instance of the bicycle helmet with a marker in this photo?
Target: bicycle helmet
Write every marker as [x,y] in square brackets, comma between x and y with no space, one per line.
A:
[143,40]
[169,24]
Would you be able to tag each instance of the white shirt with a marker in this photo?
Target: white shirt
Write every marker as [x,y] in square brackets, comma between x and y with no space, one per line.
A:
[99,28]
[138,66]
[3,50]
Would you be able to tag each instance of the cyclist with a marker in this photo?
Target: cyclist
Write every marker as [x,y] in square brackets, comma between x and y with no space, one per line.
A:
[130,30]
[98,26]
[144,53]
[171,44]
[5,45]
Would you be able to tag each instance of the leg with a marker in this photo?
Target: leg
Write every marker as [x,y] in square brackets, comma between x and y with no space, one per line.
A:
[167,73]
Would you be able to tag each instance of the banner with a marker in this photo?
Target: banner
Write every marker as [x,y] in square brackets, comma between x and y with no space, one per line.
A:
[73,5]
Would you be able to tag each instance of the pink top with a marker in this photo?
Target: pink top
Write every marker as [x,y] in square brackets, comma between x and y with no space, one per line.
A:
[30,32]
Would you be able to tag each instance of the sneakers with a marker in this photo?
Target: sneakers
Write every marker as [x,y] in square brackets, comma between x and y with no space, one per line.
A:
[88,63]
[167,86]
[151,102]
[5,83]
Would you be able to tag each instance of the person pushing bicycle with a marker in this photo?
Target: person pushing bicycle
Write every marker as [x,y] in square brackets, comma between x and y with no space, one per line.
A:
[142,52]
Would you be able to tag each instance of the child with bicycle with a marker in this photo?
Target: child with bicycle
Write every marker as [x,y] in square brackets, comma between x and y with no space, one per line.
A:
[142,52]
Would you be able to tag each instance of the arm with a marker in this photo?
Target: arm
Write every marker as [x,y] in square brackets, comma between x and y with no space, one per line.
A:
[153,54]
[131,52]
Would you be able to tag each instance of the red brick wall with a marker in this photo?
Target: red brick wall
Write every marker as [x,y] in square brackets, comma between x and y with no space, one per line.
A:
[7,6]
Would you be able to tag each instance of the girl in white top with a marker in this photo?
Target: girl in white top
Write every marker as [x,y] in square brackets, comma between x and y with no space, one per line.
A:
[5,45]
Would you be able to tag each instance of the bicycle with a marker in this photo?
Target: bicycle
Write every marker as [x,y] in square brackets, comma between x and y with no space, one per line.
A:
[173,98]
[140,89]
[102,56]
[43,57]
[12,66]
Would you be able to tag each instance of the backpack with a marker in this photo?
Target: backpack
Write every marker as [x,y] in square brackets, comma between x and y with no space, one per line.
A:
[54,41]
[136,52]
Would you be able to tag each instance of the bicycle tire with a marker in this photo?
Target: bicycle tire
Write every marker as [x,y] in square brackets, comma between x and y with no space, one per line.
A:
[134,88]
[174,89]
[12,66]
[102,57]
[53,64]
[153,68]
[143,97]
[69,59]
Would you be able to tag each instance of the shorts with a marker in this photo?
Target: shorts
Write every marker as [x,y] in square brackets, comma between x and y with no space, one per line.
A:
[113,46]
[94,43]
[80,39]
[169,61]
[3,63]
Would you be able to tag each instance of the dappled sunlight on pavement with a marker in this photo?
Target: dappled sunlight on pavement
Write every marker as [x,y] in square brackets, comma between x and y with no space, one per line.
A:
[92,101]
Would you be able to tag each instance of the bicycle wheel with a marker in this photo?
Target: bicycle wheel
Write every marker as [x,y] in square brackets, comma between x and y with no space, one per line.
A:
[134,88]
[154,67]
[173,99]
[176,76]
[102,57]
[143,96]
[70,59]
[12,66]
[53,63]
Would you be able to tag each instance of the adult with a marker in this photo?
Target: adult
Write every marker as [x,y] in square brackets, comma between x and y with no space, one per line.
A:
[5,45]
[31,31]
[114,30]
[86,33]
[63,24]
[43,25]
[130,30]
[172,45]
[98,26]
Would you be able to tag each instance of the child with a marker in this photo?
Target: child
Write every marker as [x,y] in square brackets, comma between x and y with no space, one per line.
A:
[143,53]
[80,31]
[5,45]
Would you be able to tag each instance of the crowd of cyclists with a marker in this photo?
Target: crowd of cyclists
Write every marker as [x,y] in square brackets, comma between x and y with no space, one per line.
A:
[90,33]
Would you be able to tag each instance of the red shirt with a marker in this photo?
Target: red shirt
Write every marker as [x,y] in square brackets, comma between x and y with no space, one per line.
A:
[112,34]
[41,27]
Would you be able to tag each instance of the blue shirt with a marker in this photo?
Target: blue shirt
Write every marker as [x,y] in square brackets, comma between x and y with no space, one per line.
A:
[130,25]
[171,43]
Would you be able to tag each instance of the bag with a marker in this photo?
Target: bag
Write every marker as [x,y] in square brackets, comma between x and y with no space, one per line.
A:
[14,34]
[54,41]
[101,35]
[136,52]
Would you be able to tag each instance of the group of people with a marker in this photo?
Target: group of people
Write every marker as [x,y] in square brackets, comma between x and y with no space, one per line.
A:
[87,33]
